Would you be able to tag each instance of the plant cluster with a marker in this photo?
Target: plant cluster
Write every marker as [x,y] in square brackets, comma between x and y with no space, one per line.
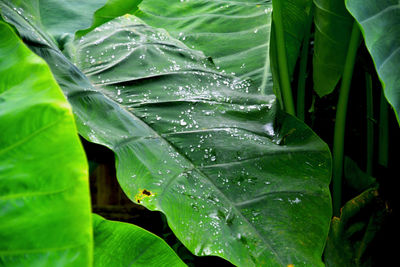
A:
[205,105]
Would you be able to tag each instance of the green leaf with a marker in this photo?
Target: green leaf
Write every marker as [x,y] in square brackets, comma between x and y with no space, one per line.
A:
[350,235]
[333,26]
[122,244]
[380,25]
[355,177]
[44,192]
[59,18]
[236,178]
[111,10]
[235,34]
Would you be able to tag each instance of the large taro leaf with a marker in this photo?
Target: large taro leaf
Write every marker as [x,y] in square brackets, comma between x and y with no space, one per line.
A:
[234,177]
[234,33]
[205,152]
[380,25]
[333,26]
[45,217]
[120,244]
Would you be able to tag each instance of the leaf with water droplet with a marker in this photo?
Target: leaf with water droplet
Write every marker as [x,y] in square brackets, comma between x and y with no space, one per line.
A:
[235,140]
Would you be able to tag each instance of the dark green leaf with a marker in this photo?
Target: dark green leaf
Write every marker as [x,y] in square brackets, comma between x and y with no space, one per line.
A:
[234,177]
[122,244]
[350,234]
[59,18]
[380,25]
[356,178]
[333,26]
[44,192]
[235,34]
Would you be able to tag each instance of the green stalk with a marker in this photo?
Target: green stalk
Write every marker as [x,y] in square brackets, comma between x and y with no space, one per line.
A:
[370,124]
[301,86]
[383,155]
[282,59]
[340,123]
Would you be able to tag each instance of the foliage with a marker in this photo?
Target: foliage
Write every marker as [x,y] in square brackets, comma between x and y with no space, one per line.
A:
[380,24]
[45,212]
[332,35]
[191,98]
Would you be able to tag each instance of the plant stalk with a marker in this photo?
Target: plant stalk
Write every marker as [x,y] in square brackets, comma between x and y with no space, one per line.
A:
[284,76]
[301,86]
[383,155]
[370,124]
[340,123]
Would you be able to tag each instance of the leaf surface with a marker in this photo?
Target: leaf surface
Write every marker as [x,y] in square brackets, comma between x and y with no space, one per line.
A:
[235,34]
[44,192]
[111,10]
[122,244]
[236,178]
[333,26]
[380,25]
[59,18]
[201,140]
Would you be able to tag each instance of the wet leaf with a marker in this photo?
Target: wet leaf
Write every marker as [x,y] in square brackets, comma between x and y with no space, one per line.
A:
[235,34]
[235,177]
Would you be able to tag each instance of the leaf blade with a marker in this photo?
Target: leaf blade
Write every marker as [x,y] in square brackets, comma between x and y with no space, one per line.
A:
[155,162]
[45,212]
[234,33]
[333,26]
[375,20]
[123,244]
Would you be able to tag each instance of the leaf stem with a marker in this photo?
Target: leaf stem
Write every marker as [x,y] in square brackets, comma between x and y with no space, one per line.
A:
[340,123]
[301,86]
[282,58]
[370,124]
[383,155]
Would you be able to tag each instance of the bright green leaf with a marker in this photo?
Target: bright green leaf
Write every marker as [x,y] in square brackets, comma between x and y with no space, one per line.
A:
[235,177]
[333,26]
[111,10]
[380,25]
[122,244]
[45,217]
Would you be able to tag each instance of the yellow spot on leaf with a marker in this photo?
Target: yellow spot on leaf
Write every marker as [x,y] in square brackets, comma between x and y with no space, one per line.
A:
[143,193]
[290,265]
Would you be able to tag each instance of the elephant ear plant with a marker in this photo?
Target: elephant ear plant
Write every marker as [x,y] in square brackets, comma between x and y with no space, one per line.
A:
[235,176]
[44,194]
[194,98]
